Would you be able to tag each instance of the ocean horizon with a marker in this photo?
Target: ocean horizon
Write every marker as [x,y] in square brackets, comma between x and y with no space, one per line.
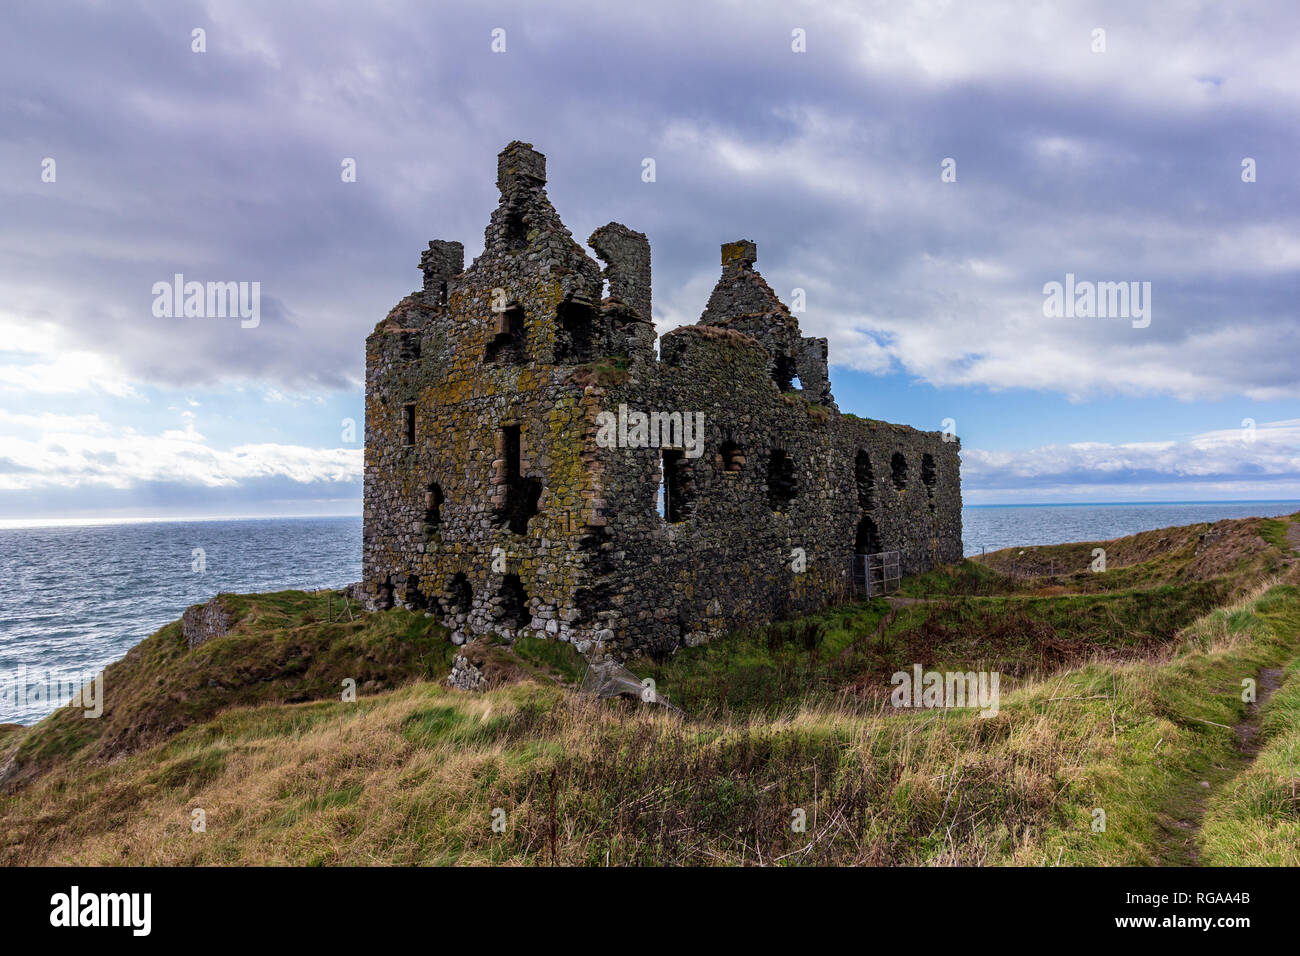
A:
[75,595]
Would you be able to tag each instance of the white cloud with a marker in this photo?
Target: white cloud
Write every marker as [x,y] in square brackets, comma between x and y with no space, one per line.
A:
[1242,463]
[38,362]
[76,451]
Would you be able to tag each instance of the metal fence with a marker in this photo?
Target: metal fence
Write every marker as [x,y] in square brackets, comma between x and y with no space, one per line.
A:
[607,678]
[875,575]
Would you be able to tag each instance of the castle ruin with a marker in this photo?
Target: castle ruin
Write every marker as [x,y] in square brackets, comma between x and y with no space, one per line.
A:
[532,467]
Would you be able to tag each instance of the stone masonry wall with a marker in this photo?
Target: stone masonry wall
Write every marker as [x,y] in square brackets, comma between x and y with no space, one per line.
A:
[495,497]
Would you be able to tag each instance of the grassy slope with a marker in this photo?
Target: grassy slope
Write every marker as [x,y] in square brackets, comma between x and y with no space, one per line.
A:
[1021,635]
[1255,820]
[282,649]
[414,774]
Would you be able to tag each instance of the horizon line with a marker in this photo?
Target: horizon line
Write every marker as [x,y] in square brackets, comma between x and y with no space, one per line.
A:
[12,524]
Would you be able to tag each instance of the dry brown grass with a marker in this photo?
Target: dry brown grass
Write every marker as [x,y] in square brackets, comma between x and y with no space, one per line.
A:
[413,775]
[579,782]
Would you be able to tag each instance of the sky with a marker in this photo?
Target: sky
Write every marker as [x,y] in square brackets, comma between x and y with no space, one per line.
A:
[921,171]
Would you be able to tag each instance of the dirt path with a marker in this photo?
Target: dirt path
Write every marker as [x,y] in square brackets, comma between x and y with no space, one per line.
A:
[897,602]
[1270,679]
[1186,807]
[1293,535]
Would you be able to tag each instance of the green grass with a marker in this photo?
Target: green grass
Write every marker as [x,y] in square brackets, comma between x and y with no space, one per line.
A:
[857,647]
[1169,741]
[966,578]
[556,659]
[283,648]
[763,669]
[1255,819]
[1114,698]
[1274,531]
[414,776]
[1240,551]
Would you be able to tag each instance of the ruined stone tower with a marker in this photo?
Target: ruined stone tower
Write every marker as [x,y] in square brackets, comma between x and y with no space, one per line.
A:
[532,467]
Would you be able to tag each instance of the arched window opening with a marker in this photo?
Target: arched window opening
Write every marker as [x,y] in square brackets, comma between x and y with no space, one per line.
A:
[864,481]
[432,506]
[733,458]
[460,596]
[898,470]
[575,340]
[678,486]
[517,496]
[512,610]
[782,486]
[783,373]
[867,540]
[515,231]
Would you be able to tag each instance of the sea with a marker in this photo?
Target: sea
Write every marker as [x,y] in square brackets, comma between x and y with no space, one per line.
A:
[74,598]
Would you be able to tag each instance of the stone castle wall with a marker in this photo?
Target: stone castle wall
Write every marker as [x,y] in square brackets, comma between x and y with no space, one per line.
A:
[500,494]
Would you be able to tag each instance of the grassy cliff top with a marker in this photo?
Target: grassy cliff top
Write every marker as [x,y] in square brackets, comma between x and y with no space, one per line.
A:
[1122,693]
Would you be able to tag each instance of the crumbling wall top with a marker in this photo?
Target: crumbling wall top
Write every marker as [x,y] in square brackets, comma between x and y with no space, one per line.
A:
[742,291]
[626,253]
[439,263]
[520,167]
[741,254]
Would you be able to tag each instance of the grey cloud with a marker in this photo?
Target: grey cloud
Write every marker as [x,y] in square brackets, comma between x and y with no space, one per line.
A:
[225,166]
